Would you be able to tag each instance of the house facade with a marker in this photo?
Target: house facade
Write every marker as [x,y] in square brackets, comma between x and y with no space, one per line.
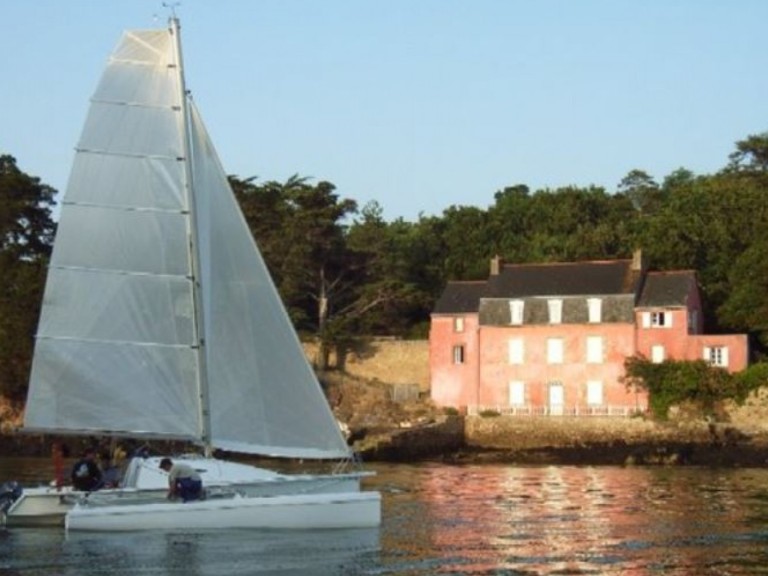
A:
[552,339]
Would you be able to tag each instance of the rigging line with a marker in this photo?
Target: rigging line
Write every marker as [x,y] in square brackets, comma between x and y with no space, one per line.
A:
[171,7]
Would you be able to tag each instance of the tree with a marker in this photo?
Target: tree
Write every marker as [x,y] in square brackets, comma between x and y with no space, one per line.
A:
[751,154]
[642,190]
[26,236]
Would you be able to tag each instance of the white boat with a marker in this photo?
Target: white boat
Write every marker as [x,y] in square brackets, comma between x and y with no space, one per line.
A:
[160,321]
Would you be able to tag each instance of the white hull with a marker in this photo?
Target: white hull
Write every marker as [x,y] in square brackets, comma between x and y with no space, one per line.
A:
[145,483]
[310,511]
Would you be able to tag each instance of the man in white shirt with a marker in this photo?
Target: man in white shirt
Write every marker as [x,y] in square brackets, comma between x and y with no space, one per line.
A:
[183,481]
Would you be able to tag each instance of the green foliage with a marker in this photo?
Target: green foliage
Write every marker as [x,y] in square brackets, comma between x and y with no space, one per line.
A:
[489,414]
[676,381]
[26,233]
[754,377]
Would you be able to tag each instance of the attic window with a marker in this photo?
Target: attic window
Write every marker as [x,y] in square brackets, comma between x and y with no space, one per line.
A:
[458,324]
[595,309]
[555,311]
[516,312]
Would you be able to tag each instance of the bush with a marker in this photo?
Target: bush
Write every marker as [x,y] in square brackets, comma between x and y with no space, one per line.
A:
[676,381]
[490,413]
[754,377]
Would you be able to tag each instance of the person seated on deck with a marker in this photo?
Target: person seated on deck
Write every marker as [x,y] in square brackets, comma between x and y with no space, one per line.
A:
[111,472]
[183,481]
[86,474]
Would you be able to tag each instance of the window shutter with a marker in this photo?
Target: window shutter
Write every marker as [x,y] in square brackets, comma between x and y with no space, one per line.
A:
[724,356]
[668,319]
[646,319]
[706,353]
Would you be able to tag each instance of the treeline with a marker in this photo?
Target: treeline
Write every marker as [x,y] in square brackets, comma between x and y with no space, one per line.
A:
[345,273]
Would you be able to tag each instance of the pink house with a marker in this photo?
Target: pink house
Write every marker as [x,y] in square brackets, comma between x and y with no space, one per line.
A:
[552,338]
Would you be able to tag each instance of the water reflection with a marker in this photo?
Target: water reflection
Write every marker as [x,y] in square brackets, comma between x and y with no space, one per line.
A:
[440,519]
[573,520]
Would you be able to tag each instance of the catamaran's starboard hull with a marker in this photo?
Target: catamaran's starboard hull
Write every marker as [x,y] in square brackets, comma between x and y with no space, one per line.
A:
[311,511]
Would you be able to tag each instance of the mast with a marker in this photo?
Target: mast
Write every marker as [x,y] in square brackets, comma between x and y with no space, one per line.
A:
[194,248]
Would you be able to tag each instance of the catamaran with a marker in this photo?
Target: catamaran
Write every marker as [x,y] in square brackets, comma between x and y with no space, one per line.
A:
[160,321]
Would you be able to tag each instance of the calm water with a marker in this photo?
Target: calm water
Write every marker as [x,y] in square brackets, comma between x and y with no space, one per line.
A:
[439,519]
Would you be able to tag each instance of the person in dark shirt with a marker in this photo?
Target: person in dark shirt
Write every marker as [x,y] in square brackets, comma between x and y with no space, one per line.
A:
[86,474]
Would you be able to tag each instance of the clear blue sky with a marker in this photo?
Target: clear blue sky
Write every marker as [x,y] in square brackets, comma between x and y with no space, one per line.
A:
[417,104]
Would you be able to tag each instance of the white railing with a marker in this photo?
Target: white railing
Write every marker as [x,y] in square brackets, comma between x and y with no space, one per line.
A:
[554,411]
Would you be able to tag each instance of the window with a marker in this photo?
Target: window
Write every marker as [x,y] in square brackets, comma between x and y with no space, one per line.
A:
[516,351]
[516,312]
[659,319]
[555,351]
[716,355]
[595,309]
[458,324]
[458,354]
[594,393]
[555,311]
[517,393]
[657,354]
[594,349]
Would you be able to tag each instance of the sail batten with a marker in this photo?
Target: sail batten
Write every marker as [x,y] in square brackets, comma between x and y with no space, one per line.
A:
[119,342]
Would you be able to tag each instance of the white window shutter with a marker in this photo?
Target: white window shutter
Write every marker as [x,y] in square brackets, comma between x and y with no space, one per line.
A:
[724,356]
[646,319]
[706,353]
[668,319]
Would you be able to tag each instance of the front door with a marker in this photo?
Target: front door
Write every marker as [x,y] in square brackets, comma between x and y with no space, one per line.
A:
[556,398]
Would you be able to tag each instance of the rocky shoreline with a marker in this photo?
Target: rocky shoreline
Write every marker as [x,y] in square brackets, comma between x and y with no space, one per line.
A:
[434,444]
[448,441]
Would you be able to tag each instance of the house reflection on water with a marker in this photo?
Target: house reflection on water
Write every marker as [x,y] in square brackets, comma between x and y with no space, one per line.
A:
[574,519]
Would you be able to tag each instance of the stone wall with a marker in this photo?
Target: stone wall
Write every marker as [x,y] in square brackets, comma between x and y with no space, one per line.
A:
[532,433]
[387,360]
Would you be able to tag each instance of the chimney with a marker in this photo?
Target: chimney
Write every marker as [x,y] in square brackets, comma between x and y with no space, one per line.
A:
[638,262]
[496,263]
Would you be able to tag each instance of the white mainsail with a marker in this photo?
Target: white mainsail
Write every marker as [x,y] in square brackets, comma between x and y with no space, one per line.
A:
[149,218]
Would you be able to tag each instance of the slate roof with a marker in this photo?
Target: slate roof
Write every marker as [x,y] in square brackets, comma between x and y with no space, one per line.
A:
[667,288]
[610,277]
[460,297]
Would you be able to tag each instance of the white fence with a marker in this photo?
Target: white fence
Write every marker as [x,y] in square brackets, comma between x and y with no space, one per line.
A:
[577,410]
